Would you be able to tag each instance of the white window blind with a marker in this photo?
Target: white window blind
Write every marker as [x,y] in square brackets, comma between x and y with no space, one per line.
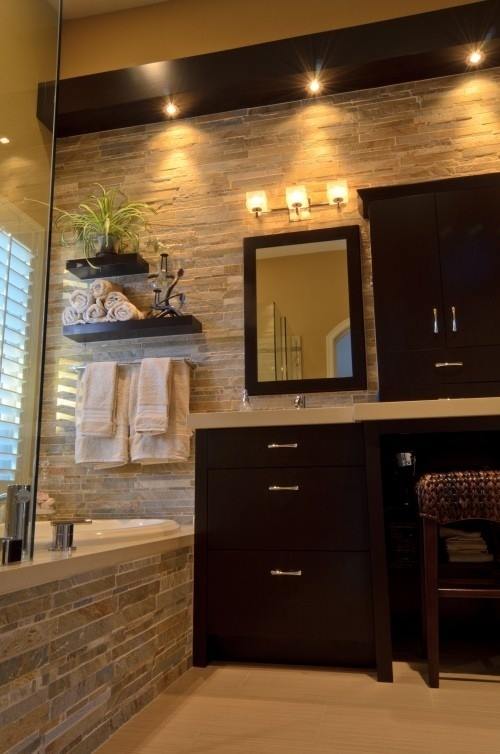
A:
[16,269]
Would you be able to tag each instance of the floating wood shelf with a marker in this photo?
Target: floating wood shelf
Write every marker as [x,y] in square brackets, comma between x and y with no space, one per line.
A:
[110,265]
[135,328]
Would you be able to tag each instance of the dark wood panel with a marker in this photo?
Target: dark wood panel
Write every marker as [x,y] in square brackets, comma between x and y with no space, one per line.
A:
[326,512]
[109,265]
[368,196]
[392,51]
[378,554]
[326,445]
[200,597]
[469,238]
[324,616]
[406,274]
[134,328]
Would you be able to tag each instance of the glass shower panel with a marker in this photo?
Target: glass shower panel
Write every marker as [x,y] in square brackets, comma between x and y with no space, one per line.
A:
[28,75]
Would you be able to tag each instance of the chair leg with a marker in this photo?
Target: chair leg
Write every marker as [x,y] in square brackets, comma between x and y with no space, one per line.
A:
[423,605]
[431,598]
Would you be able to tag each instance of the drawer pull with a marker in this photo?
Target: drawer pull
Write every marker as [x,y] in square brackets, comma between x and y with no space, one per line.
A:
[279,488]
[441,364]
[274,445]
[277,572]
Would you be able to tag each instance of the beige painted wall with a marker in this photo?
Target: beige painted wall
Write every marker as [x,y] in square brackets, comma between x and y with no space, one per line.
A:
[180,28]
[311,291]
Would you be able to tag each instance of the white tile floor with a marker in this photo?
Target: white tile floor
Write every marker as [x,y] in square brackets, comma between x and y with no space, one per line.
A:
[278,710]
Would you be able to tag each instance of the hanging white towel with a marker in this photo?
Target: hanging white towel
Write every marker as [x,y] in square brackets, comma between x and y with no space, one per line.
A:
[173,446]
[106,452]
[98,386]
[153,388]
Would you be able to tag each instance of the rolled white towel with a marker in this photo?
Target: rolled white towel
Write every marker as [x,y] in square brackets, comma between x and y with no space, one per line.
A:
[100,288]
[80,300]
[123,311]
[113,298]
[95,313]
[71,317]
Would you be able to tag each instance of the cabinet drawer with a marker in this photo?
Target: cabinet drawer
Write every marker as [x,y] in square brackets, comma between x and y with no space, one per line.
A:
[323,616]
[287,508]
[326,445]
[440,373]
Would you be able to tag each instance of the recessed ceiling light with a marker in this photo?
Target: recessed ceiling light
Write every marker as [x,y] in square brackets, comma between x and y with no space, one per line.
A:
[314,86]
[4,140]
[171,109]
[475,57]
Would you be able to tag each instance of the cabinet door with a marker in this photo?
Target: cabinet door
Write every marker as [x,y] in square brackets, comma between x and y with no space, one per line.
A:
[469,235]
[406,273]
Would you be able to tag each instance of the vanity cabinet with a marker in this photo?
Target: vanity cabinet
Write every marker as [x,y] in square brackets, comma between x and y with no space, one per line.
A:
[436,267]
[282,560]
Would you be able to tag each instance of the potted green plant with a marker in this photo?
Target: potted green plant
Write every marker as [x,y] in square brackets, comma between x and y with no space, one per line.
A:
[105,224]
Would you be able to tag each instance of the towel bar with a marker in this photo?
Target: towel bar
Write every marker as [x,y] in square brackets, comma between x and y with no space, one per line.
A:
[81,367]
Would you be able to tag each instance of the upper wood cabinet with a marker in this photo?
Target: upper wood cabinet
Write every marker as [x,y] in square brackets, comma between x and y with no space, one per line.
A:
[469,244]
[436,277]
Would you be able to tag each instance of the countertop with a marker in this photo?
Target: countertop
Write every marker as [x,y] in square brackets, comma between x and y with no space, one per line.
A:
[355,412]
[49,566]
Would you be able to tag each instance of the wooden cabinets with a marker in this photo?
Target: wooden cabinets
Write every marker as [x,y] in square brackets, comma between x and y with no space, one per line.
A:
[282,568]
[436,275]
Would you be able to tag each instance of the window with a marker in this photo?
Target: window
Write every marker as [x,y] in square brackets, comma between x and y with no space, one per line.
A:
[16,277]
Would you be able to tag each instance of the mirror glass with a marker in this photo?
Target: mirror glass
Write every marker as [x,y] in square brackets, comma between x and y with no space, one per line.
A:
[303,324]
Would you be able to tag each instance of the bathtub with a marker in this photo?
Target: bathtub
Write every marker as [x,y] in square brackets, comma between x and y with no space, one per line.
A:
[107,531]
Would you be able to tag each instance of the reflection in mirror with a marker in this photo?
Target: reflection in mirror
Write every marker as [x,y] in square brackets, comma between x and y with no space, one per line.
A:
[303,325]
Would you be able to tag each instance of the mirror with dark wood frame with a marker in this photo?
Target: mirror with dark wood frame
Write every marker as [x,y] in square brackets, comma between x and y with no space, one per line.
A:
[304,326]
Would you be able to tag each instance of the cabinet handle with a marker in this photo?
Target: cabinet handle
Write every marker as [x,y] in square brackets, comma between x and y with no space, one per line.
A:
[436,323]
[277,488]
[441,364]
[273,445]
[277,572]
[454,326]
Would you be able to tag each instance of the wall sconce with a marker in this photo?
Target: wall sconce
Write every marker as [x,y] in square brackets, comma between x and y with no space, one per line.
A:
[297,202]
[257,202]
[337,193]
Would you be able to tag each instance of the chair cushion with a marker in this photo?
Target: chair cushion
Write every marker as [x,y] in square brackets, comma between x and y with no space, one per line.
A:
[459,495]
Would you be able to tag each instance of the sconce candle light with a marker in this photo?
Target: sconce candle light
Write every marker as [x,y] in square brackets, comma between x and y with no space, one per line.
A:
[257,202]
[337,193]
[297,202]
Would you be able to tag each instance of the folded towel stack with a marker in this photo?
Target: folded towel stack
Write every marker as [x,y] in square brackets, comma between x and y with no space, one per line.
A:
[465,546]
[102,302]
[124,414]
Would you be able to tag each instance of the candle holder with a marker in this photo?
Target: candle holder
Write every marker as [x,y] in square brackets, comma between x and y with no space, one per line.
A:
[163,287]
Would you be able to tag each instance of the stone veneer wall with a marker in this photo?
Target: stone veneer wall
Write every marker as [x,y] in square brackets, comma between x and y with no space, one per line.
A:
[200,170]
[80,656]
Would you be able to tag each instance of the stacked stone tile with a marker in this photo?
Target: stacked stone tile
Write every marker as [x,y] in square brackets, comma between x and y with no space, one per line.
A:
[79,657]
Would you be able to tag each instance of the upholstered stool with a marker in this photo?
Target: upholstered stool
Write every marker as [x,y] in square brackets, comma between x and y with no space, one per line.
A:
[443,499]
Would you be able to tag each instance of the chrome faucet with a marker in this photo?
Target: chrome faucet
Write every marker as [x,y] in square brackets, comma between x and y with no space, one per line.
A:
[63,532]
[300,401]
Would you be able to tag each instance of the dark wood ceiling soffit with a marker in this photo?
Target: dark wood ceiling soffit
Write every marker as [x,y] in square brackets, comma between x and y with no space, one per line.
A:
[360,57]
